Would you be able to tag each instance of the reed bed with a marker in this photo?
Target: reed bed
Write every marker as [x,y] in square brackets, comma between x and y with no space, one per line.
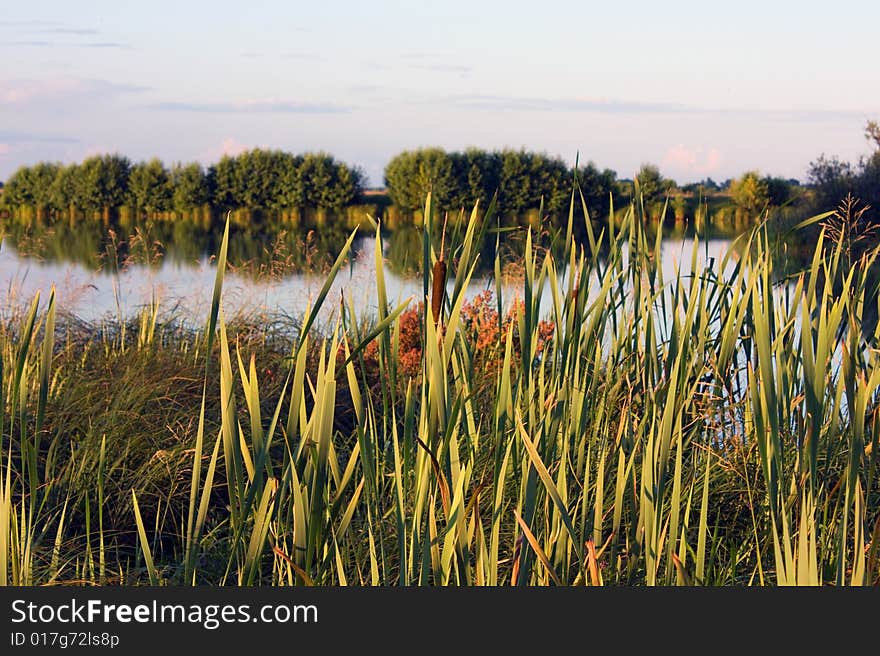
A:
[617,427]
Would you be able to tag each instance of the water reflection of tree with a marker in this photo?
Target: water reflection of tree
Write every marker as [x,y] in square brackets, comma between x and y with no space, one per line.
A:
[404,248]
[404,245]
[266,247]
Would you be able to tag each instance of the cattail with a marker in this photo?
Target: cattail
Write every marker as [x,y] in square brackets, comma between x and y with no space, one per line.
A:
[438,288]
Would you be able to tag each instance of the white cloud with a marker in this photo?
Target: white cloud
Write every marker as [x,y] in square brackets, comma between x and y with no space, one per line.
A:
[257,106]
[684,161]
[22,92]
[231,146]
[228,146]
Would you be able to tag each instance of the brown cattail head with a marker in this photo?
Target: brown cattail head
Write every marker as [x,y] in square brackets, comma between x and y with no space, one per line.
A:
[438,288]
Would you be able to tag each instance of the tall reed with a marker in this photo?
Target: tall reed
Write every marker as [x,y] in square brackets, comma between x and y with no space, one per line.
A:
[710,426]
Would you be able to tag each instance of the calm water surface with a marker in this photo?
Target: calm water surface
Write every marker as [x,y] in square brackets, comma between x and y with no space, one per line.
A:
[184,286]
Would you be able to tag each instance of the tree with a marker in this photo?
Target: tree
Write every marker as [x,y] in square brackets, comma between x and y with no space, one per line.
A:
[779,190]
[831,180]
[457,180]
[597,187]
[257,179]
[62,193]
[190,188]
[651,183]
[872,133]
[434,173]
[259,175]
[317,176]
[252,179]
[103,183]
[30,186]
[868,181]
[42,177]
[550,181]
[399,173]
[18,191]
[348,185]
[750,192]
[480,176]
[149,187]
[224,182]
[515,185]
[412,174]
[291,192]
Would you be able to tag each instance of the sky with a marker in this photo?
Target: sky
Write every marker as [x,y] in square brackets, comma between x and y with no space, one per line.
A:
[701,89]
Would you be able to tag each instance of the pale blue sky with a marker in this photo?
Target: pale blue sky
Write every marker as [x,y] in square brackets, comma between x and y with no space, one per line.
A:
[699,88]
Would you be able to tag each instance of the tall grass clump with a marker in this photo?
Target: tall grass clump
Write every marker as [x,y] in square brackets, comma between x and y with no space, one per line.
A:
[611,424]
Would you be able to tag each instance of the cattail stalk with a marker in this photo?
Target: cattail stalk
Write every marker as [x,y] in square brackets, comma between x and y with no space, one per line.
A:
[438,289]
[438,286]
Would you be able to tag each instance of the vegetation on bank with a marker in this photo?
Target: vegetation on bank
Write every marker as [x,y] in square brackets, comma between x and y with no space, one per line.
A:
[715,427]
[833,178]
[524,180]
[521,180]
[256,180]
[529,188]
[314,189]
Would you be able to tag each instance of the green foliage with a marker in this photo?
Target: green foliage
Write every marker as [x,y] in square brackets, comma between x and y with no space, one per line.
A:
[274,180]
[705,186]
[750,192]
[41,178]
[482,172]
[328,184]
[777,199]
[347,187]
[522,180]
[149,187]
[225,182]
[868,183]
[598,188]
[528,178]
[31,186]
[65,187]
[261,180]
[780,191]
[18,190]
[516,191]
[622,425]
[411,175]
[678,206]
[652,184]
[190,188]
[832,179]
[102,182]
[872,133]
[257,178]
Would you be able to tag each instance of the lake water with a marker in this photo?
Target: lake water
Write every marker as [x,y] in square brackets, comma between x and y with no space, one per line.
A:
[183,286]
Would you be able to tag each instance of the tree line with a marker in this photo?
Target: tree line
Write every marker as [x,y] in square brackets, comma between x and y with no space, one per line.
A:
[521,181]
[524,179]
[270,180]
